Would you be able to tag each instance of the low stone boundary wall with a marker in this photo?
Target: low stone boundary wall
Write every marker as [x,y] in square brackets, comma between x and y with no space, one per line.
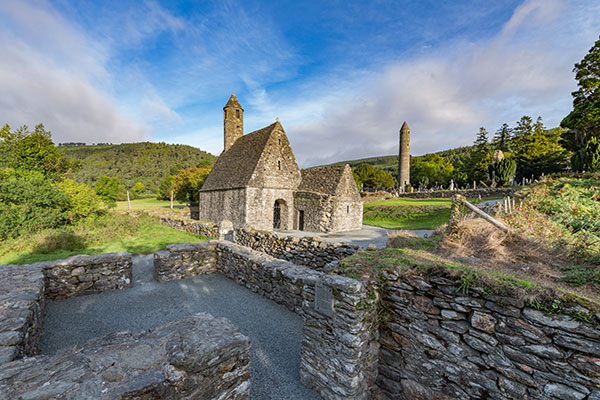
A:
[197,227]
[83,274]
[339,349]
[442,344]
[185,260]
[21,311]
[199,357]
[469,193]
[309,251]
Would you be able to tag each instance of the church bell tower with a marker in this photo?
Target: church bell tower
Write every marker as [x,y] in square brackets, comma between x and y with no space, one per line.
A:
[233,122]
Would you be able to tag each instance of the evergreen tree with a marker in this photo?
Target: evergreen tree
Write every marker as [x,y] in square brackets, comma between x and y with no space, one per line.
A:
[502,139]
[480,157]
[505,169]
[588,158]
[584,121]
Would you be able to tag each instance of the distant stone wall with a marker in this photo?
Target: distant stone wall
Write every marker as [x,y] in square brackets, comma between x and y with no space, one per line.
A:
[199,357]
[339,349]
[83,274]
[470,193]
[185,260]
[442,344]
[309,251]
[21,311]
[207,229]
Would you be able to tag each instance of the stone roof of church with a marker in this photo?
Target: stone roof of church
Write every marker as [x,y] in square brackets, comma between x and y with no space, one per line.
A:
[324,180]
[234,167]
[233,102]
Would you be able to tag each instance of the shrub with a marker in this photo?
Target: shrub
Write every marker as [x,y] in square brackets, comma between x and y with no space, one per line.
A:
[188,182]
[28,203]
[505,170]
[80,200]
[108,189]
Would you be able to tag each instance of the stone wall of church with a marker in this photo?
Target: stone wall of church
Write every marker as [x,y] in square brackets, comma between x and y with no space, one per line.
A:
[347,216]
[260,206]
[218,205]
[318,211]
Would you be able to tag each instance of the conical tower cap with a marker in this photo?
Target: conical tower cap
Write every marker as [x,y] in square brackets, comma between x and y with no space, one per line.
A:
[404,127]
[233,103]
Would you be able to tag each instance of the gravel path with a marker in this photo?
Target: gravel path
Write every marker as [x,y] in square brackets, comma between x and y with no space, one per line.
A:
[274,331]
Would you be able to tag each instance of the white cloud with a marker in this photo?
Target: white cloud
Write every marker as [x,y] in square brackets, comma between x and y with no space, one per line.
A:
[447,94]
[50,72]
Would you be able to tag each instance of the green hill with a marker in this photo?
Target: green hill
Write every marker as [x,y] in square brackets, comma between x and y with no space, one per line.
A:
[144,162]
[390,163]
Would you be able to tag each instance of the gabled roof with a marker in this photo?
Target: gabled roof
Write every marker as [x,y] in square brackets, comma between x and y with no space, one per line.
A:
[233,102]
[235,166]
[324,180]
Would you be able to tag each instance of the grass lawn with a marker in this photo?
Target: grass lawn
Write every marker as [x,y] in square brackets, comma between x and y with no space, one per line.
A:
[404,213]
[147,204]
[135,234]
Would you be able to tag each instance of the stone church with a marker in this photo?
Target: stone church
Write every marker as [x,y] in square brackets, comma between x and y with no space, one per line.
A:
[256,181]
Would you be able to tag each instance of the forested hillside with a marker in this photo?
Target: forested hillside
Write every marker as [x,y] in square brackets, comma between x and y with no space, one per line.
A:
[144,162]
[390,163]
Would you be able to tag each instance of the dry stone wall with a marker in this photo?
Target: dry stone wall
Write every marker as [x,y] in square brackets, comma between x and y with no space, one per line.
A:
[442,344]
[339,349]
[469,193]
[81,275]
[21,311]
[207,229]
[308,251]
[199,357]
[185,260]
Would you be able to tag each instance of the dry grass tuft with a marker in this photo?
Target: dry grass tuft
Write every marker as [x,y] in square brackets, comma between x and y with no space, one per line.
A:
[481,245]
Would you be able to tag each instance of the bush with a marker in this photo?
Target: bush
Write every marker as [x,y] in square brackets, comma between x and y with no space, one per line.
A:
[587,158]
[505,170]
[80,200]
[28,203]
[109,189]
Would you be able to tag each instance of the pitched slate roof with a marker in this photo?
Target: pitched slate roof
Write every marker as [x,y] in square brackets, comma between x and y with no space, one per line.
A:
[234,167]
[233,102]
[324,180]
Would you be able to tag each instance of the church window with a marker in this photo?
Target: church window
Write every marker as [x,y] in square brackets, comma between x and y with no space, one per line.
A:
[237,126]
[237,113]
[347,209]
[279,165]
[225,113]
[280,142]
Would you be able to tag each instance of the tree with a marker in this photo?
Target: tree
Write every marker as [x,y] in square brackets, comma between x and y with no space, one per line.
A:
[584,121]
[80,200]
[108,189]
[505,169]
[362,173]
[587,158]
[502,139]
[380,179]
[23,150]
[188,183]
[138,188]
[430,169]
[28,203]
[479,158]
[166,186]
[536,149]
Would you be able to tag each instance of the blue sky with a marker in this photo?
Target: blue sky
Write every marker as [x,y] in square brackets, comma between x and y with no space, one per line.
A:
[341,76]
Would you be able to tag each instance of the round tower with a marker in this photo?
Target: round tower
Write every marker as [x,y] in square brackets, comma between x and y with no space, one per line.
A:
[233,122]
[404,158]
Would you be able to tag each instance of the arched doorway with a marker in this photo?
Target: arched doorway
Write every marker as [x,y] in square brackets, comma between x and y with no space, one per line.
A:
[280,216]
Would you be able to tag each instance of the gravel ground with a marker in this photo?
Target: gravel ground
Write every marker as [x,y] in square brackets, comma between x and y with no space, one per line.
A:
[275,332]
[362,238]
